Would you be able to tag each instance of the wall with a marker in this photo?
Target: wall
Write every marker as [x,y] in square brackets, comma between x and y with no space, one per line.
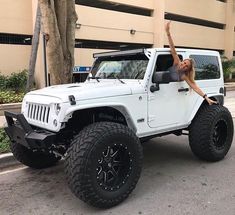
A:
[84,57]
[200,36]
[234,42]
[210,10]
[16,16]
[149,4]
[188,35]
[99,24]
[14,58]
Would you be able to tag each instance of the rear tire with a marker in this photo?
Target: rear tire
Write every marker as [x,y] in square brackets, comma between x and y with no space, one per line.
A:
[103,164]
[211,133]
[36,160]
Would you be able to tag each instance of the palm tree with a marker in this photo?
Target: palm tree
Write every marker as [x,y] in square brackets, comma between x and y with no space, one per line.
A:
[228,67]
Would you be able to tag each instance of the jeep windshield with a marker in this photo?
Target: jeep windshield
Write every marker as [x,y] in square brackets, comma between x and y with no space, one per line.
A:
[121,67]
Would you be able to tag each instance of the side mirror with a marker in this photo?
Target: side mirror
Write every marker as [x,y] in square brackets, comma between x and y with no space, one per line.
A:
[163,77]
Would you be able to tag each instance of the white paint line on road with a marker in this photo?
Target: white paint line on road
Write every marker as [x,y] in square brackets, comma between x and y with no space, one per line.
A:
[13,170]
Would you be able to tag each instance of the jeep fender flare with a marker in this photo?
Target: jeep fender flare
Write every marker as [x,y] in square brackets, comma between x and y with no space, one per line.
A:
[200,102]
[119,107]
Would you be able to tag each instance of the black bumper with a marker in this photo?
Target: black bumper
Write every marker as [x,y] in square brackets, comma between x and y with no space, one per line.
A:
[22,133]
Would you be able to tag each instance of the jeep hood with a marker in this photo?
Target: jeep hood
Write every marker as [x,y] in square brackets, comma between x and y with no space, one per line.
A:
[88,90]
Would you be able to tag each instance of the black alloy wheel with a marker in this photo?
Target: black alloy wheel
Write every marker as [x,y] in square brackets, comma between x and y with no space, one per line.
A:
[220,134]
[114,167]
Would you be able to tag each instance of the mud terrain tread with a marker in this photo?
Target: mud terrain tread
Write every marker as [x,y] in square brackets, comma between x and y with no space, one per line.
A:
[201,130]
[77,162]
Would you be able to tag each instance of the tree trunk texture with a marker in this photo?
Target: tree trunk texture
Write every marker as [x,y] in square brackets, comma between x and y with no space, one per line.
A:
[59,18]
[34,51]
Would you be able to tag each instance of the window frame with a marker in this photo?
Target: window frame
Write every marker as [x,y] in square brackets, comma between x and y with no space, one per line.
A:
[181,57]
[207,55]
[123,58]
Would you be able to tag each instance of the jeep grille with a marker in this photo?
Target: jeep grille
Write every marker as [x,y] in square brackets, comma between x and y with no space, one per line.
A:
[38,112]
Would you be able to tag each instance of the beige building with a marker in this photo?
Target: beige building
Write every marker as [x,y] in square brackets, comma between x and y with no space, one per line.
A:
[120,24]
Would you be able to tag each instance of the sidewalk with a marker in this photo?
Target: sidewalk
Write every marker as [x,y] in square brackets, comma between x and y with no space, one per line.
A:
[2,121]
[7,161]
[230,86]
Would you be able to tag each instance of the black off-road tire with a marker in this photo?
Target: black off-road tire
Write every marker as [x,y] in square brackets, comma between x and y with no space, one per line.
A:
[211,133]
[36,160]
[103,164]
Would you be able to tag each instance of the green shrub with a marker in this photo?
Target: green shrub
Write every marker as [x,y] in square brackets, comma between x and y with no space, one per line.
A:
[12,88]
[228,66]
[10,97]
[226,69]
[17,81]
[4,142]
[3,80]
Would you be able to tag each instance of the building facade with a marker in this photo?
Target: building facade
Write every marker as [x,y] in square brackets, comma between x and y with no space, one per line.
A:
[120,24]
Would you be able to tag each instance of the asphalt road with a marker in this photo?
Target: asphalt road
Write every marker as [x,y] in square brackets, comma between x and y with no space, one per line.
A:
[173,181]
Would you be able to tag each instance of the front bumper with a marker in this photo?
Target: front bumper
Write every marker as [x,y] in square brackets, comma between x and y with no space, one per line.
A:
[21,132]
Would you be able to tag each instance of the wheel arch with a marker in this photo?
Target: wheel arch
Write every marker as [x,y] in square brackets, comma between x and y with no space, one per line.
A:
[216,97]
[99,113]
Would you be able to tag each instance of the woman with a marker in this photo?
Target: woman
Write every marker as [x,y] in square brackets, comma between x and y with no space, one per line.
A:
[185,68]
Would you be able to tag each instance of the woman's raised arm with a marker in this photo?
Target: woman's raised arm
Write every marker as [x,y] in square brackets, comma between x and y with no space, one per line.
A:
[171,44]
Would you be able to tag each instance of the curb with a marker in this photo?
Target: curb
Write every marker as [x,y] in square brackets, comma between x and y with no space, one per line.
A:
[7,160]
[12,107]
[230,88]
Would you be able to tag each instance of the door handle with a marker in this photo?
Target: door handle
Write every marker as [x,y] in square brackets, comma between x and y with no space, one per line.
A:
[183,90]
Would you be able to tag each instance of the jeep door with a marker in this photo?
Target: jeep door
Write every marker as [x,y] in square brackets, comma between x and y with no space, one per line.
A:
[167,106]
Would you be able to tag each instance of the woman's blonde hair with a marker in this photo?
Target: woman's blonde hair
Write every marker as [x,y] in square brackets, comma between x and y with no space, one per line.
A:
[191,70]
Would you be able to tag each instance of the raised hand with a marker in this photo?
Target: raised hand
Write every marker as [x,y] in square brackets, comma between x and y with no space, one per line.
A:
[168,27]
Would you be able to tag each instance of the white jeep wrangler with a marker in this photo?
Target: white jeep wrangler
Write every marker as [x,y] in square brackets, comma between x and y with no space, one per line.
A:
[98,126]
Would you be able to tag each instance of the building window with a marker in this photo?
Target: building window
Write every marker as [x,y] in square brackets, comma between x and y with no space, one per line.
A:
[184,47]
[96,44]
[115,7]
[206,67]
[17,39]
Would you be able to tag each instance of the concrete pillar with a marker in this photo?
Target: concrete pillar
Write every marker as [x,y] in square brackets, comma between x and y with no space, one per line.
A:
[159,23]
[34,10]
[229,30]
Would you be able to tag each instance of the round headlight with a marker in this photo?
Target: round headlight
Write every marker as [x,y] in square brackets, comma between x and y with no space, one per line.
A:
[57,108]
[55,123]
